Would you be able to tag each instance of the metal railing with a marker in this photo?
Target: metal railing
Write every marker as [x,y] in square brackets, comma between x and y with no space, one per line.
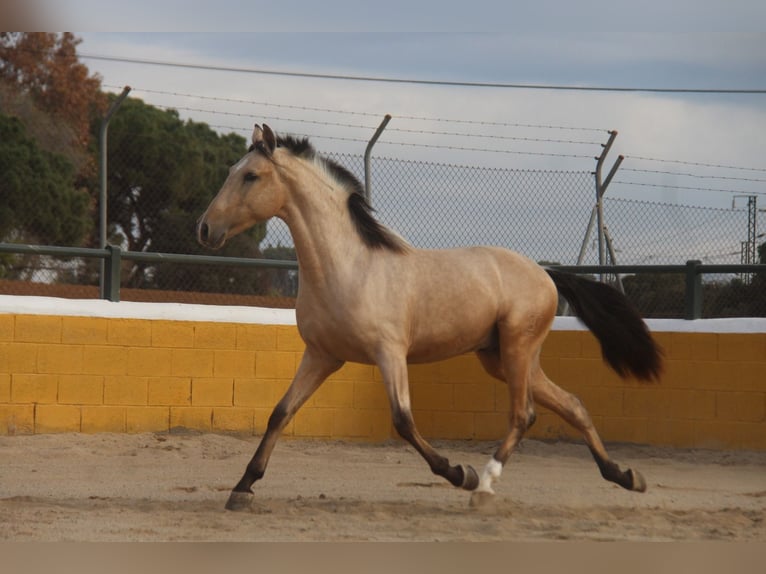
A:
[113,256]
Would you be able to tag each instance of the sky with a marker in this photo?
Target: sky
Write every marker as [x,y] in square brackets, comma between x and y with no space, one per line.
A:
[688,148]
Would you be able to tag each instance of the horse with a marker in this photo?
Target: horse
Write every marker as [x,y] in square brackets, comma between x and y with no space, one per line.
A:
[368,296]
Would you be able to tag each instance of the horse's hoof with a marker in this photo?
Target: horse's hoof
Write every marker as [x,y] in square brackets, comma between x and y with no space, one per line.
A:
[638,484]
[240,501]
[470,477]
[481,499]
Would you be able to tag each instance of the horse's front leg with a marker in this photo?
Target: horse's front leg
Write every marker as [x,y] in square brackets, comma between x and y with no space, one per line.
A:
[393,367]
[312,372]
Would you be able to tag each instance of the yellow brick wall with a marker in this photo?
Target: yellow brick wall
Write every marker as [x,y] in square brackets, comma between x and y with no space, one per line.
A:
[81,374]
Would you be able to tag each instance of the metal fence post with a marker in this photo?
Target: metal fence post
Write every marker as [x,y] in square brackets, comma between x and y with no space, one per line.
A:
[102,224]
[367,152]
[112,266]
[693,299]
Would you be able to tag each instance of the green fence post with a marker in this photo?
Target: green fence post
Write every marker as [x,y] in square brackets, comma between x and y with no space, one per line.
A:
[113,263]
[693,303]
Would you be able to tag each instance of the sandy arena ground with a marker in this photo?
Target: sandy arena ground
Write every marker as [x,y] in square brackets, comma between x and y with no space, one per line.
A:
[173,487]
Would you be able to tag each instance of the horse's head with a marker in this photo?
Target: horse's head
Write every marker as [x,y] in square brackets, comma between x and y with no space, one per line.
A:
[252,193]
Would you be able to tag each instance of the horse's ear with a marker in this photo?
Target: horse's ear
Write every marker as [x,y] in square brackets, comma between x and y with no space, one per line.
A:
[264,139]
[269,138]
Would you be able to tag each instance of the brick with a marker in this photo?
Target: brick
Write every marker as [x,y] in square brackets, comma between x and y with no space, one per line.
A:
[17,420]
[314,422]
[37,329]
[370,395]
[147,419]
[129,332]
[462,369]
[637,403]
[681,345]
[192,362]
[169,391]
[338,394]
[712,375]
[255,393]
[602,400]
[173,334]
[103,419]
[563,344]
[215,336]
[256,337]
[34,388]
[626,429]
[232,419]
[370,424]
[352,372]
[288,339]
[5,388]
[104,360]
[749,376]
[550,426]
[579,371]
[432,396]
[671,432]
[751,436]
[230,363]
[57,418]
[419,373]
[212,392]
[715,434]
[740,406]
[703,345]
[18,358]
[453,425]
[474,397]
[81,390]
[84,330]
[195,418]
[275,364]
[125,390]
[7,324]
[490,426]
[742,347]
[261,420]
[149,361]
[61,359]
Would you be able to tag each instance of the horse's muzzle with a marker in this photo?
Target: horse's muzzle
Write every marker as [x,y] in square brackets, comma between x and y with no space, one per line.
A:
[208,237]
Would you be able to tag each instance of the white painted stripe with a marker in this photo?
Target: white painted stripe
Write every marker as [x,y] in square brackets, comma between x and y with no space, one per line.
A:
[733,325]
[133,310]
[27,305]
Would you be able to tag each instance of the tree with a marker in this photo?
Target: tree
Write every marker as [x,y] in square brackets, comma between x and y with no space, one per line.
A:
[40,203]
[162,174]
[45,67]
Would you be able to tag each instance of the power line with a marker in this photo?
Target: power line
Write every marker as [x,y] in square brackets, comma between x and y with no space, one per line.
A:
[367,114]
[695,175]
[348,77]
[695,163]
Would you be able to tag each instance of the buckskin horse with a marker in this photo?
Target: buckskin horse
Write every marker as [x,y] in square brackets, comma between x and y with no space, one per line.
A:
[367,296]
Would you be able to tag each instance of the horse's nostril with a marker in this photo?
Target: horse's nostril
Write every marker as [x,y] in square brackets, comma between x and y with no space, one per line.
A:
[204,232]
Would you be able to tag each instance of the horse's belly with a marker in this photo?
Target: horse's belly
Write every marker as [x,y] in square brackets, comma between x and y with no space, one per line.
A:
[440,346]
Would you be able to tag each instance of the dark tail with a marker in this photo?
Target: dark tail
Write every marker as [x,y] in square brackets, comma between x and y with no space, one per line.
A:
[626,343]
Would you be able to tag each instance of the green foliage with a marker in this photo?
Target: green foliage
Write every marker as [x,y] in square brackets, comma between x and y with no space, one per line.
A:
[39,201]
[162,173]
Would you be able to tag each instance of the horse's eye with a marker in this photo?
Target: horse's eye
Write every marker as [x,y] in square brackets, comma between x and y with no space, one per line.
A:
[250,177]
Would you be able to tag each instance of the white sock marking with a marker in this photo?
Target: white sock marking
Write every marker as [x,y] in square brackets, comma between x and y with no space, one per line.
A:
[492,472]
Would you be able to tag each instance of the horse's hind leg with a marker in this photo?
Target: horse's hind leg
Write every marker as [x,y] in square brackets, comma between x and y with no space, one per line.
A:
[312,372]
[522,415]
[571,409]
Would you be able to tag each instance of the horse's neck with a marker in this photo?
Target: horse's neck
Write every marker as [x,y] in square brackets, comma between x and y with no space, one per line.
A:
[326,242]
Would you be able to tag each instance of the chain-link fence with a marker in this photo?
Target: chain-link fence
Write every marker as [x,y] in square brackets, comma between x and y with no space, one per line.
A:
[543,214]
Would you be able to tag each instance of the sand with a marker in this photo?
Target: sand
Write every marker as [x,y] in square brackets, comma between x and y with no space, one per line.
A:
[173,487]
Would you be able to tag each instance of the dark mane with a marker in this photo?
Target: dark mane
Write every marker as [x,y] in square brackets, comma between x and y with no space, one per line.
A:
[372,232]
